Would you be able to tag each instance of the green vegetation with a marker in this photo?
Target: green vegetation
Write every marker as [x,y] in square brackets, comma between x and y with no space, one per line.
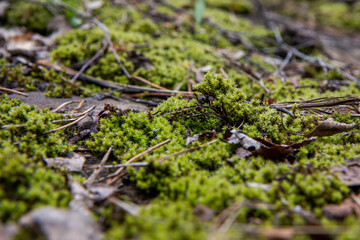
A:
[25,181]
[211,175]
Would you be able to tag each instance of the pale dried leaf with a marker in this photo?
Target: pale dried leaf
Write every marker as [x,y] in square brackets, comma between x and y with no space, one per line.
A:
[59,224]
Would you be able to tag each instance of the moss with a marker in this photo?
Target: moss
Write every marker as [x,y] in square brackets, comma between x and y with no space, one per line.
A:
[34,16]
[53,84]
[160,220]
[26,182]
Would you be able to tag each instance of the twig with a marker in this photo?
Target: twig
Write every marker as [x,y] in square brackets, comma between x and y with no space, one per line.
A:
[319,61]
[184,151]
[8,90]
[140,164]
[80,114]
[169,94]
[102,26]
[106,84]
[129,208]
[79,106]
[315,103]
[65,104]
[91,60]
[15,125]
[70,124]
[284,63]
[143,80]
[97,171]
[115,176]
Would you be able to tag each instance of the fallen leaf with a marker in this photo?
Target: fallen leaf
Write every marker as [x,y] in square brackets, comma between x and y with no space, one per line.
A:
[330,127]
[72,164]
[348,173]
[260,147]
[59,224]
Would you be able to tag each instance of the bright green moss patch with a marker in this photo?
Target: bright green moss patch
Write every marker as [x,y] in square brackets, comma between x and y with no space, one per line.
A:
[25,181]
[34,16]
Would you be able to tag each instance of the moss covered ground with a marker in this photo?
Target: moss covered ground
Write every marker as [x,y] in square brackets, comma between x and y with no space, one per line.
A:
[162,44]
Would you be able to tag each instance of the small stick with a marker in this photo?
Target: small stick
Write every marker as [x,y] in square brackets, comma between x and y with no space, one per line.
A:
[80,114]
[64,104]
[91,60]
[140,164]
[129,208]
[184,151]
[97,171]
[169,94]
[143,80]
[8,90]
[115,176]
[16,126]
[79,106]
[70,124]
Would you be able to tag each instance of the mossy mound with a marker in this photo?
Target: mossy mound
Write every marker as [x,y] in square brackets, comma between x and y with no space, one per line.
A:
[25,181]
[204,177]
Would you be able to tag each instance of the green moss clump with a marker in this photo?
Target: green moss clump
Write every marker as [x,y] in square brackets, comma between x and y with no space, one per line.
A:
[132,133]
[25,181]
[25,184]
[34,16]
[29,135]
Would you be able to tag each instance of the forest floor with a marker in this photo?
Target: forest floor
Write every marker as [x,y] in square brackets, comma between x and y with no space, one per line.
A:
[179,119]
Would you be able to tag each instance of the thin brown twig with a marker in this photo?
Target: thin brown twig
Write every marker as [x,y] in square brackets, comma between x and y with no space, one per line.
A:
[8,90]
[115,176]
[185,151]
[169,94]
[78,106]
[97,171]
[70,124]
[143,80]
[91,60]
[65,104]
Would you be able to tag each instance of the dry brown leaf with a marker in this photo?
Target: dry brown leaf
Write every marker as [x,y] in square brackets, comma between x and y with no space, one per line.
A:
[260,147]
[340,212]
[330,127]
[348,173]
